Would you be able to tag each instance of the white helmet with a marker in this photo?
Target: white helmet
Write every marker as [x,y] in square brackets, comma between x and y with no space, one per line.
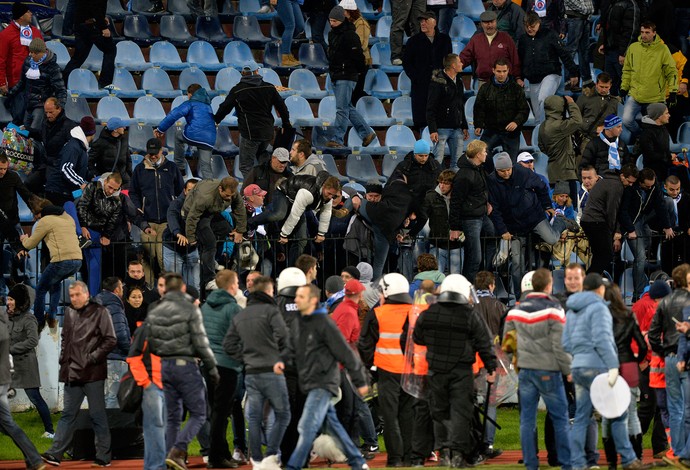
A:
[291,277]
[395,284]
[526,283]
[456,289]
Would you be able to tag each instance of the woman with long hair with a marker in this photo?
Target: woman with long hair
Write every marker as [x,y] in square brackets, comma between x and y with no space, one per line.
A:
[135,307]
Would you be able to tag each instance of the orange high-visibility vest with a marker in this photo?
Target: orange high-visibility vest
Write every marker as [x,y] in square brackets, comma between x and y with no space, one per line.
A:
[657,376]
[388,355]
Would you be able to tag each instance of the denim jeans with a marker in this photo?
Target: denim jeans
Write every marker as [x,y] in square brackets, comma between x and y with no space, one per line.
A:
[615,69]
[93,257]
[577,42]
[183,385]
[510,141]
[188,265]
[639,246]
[204,169]
[346,111]
[634,426]
[73,398]
[116,369]
[549,386]
[472,228]
[538,92]
[317,410]
[583,377]
[365,423]
[10,428]
[445,18]
[154,410]
[249,152]
[68,18]
[271,387]
[454,137]
[632,112]
[291,16]
[675,402]
[36,398]
[448,260]
[50,282]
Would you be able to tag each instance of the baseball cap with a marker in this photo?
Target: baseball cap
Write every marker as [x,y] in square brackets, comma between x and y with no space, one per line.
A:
[250,67]
[353,286]
[153,146]
[116,123]
[253,190]
[525,157]
[282,154]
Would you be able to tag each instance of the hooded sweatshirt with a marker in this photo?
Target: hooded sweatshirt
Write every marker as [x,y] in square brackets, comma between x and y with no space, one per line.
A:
[311,166]
[71,169]
[200,128]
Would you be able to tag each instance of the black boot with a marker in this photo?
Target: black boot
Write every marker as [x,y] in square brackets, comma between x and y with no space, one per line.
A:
[636,442]
[610,451]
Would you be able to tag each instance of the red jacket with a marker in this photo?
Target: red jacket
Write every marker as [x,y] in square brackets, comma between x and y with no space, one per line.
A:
[346,317]
[644,310]
[478,52]
[13,54]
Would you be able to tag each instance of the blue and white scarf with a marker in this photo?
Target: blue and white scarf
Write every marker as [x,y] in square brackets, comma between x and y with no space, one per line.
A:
[614,158]
[33,73]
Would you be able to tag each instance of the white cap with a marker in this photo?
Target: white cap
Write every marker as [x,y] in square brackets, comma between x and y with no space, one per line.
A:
[348,5]
[525,157]
[526,283]
[291,277]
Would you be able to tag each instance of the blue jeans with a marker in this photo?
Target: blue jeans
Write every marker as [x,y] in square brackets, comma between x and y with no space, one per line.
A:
[445,18]
[116,369]
[510,141]
[549,386]
[675,402]
[50,282]
[154,410]
[638,246]
[93,256]
[472,228]
[538,92]
[448,260]
[317,409]
[454,138]
[188,265]
[632,111]
[345,111]
[615,69]
[583,377]
[291,16]
[183,385]
[9,427]
[271,387]
[577,42]
[36,398]
[365,423]
[204,169]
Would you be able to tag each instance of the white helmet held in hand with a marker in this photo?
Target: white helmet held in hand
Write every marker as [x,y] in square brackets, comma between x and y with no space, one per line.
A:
[456,289]
[291,277]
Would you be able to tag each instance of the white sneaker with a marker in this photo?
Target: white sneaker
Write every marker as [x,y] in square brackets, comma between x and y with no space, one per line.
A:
[204,458]
[256,465]
[264,9]
[396,62]
[272,462]
[48,435]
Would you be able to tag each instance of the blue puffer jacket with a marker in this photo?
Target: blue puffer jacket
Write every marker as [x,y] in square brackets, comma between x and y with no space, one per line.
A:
[117,312]
[200,128]
[519,202]
[588,332]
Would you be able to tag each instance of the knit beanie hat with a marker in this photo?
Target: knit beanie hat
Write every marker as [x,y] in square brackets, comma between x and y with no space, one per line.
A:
[655,110]
[20,294]
[352,271]
[611,121]
[334,284]
[562,187]
[37,45]
[659,289]
[18,10]
[88,125]
[502,161]
[337,13]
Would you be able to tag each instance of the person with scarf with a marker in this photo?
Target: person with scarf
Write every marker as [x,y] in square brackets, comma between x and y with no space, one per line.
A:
[40,79]
[14,45]
[135,307]
[608,151]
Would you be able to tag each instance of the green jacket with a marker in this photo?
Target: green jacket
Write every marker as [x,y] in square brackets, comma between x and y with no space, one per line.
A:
[555,138]
[218,311]
[205,199]
[649,72]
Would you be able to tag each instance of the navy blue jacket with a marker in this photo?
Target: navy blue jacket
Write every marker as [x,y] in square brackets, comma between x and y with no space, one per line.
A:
[519,202]
[632,207]
[71,169]
[117,312]
[176,225]
[152,189]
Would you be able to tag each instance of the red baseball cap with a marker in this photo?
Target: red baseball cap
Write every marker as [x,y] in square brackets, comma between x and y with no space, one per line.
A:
[253,190]
[353,286]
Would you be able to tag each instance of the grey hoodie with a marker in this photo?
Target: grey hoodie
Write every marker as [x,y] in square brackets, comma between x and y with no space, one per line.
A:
[311,166]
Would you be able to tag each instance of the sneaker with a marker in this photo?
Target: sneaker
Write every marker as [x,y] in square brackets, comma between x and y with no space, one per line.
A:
[100,463]
[264,9]
[225,463]
[48,435]
[272,462]
[39,466]
[492,453]
[660,455]
[239,456]
[458,461]
[334,145]
[670,454]
[50,459]
[175,459]
[112,87]
[84,242]
[373,448]
[433,457]
[417,463]
[368,139]
[256,465]
[636,465]
[396,61]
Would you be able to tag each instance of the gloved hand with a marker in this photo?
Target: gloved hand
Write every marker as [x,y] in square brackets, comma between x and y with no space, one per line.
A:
[613,376]
[215,376]
[672,98]
[623,93]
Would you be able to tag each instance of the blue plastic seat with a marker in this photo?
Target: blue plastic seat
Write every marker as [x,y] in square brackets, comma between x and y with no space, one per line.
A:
[463,28]
[541,163]
[361,168]
[377,83]
[76,107]
[304,81]
[381,58]
[218,167]
[156,82]
[229,120]
[227,79]
[94,60]
[224,143]
[401,110]
[404,83]
[148,110]
[373,112]
[125,82]
[354,141]
[251,8]
[313,57]
[683,136]
[227,12]
[164,55]
[178,101]
[115,10]
[272,55]
[524,147]
[300,111]
[130,57]
[56,31]
[367,10]
[25,214]
[237,54]
[383,30]
[60,51]
[208,28]
[458,46]
[471,9]
[469,110]
[400,138]
[5,116]
[180,7]
[271,76]
[136,28]
[137,158]
[173,28]
[332,168]
[139,134]
[201,54]
[111,106]
[83,82]
[390,161]
[327,110]
[247,29]
[192,75]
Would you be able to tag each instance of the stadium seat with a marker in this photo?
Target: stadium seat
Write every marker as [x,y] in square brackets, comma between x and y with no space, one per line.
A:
[111,106]
[373,112]
[83,82]
[224,143]
[229,120]
[94,60]
[227,12]
[5,116]
[404,83]
[471,9]
[247,29]
[179,100]
[115,11]
[227,79]
[130,57]
[125,82]
[192,75]
[76,107]
[141,7]
[187,172]
[639,163]
[304,81]
[400,138]
[271,76]
[60,51]
[208,28]
[272,55]
[463,28]
[180,7]
[148,110]
[469,110]
[541,163]
[558,276]
[381,58]
[156,82]
[683,136]
[137,158]
[354,141]
[163,54]
[319,138]
[332,167]
[56,31]
[383,30]
[327,110]
[458,46]
[201,54]
[368,11]
[139,134]
[237,54]
[251,8]
[313,57]
[526,148]
[218,167]
[136,28]
[173,28]
[25,214]
[361,168]
[377,83]
[300,111]
[390,161]
[401,110]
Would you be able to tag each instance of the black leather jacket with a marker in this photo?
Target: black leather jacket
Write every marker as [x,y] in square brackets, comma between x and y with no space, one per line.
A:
[669,308]
[625,331]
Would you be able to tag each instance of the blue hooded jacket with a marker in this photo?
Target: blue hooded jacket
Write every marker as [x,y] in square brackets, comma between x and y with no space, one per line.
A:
[588,332]
[200,128]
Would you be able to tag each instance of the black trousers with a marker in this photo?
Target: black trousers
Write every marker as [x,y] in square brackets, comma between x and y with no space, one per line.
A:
[648,411]
[87,36]
[452,403]
[395,407]
[221,398]
[601,243]
[423,431]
